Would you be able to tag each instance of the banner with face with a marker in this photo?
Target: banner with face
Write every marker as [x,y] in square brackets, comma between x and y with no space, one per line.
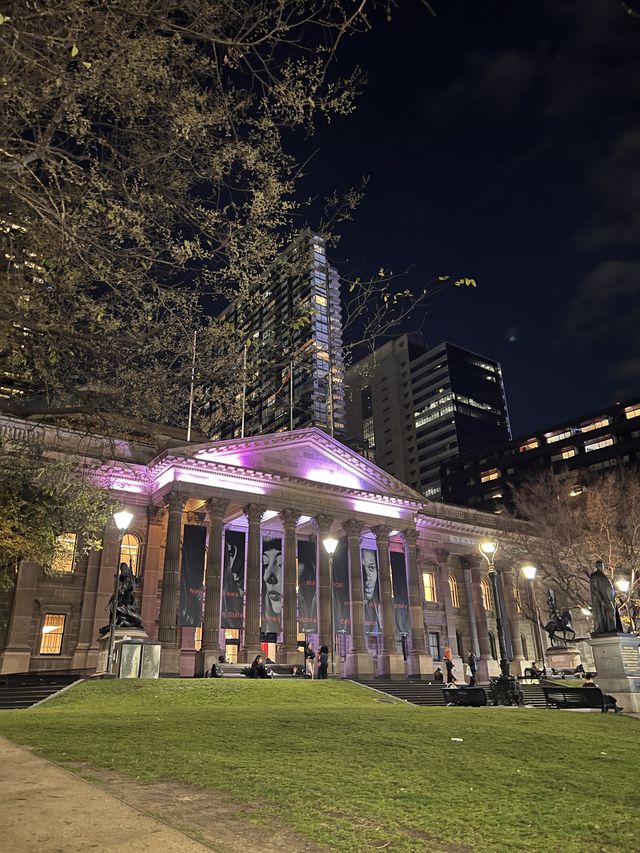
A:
[371,588]
[307,598]
[233,580]
[272,593]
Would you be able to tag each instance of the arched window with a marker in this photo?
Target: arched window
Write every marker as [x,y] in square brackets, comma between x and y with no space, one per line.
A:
[429,584]
[130,552]
[486,594]
[459,645]
[492,644]
[518,597]
[453,586]
[525,650]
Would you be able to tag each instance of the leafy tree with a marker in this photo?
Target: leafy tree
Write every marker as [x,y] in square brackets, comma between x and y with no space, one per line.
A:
[40,499]
[568,532]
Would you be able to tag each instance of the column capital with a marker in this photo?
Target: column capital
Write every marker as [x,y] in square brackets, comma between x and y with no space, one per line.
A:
[176,501]
[254,512]
[289,518]
[323,523]
[155,514]
[217,508]
[352,528]
[381,532]
[411,537]
[442,556]
[198,518]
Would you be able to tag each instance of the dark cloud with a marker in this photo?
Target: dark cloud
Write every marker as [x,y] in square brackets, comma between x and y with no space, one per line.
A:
[607,302]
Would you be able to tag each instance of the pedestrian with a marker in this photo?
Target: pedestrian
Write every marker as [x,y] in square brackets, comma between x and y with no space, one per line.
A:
[323,658]
[448,662]
[310,660]
[472,663]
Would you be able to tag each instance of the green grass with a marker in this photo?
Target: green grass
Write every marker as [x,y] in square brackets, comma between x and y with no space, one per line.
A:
[333,763]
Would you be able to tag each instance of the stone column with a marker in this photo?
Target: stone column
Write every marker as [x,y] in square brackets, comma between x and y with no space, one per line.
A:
[86,636]
[291,655]
[486,664]
[324,595]
[420,663]
[156,516]
[390,664]
[213,574]
[359,663]
[167,634]
[518,663]
[251,641]
[16,654]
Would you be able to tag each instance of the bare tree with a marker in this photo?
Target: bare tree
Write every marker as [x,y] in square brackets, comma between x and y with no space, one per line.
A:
[569,531]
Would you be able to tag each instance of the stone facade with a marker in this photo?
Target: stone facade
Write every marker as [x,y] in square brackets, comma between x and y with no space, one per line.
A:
[301,485]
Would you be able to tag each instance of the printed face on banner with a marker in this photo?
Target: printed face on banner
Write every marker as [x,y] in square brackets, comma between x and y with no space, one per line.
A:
[372,615]
[233,579]
[271,583]
[307,599]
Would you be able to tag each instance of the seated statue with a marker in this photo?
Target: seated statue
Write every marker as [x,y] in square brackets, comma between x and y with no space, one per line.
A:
[127,611]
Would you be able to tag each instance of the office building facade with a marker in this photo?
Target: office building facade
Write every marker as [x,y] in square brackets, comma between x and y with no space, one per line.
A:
[418,407]
[293,361]
[573,451]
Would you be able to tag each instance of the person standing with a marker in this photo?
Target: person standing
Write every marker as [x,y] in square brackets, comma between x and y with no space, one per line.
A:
[472,663]
[310,659]
[323,658]
[448,661]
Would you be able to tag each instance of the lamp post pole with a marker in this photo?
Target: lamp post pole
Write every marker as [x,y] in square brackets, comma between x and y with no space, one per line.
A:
[330,546]
[529,571]
[122,520]
[505,689]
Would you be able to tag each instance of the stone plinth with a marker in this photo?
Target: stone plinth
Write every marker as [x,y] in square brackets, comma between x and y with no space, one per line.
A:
[359,665]
[419,665]
[563,657]
[102,667]
[390,666]
[617,659]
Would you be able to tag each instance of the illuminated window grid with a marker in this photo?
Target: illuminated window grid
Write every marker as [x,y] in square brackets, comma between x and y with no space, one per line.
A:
[487,476]
[65,553]
[52,633]
[485,591]
[453,587]
[569,452]
[130,552]
[532,444]
[429,584]
[605,441]
[598,424]
[632,411]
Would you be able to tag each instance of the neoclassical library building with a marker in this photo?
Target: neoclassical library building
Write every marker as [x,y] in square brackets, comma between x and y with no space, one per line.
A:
[228,547]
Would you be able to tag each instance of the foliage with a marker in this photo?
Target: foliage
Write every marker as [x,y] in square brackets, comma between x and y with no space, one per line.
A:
[569,531]
[40,500]
[343,769]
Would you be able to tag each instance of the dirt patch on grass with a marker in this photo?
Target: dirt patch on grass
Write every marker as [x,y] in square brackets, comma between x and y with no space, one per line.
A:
[210,817]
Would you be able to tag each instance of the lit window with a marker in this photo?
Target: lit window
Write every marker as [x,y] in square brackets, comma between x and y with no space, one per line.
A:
[486,594]
[605,441]
[453,586]
[65,553]
[529,445]
[568,452]
[597,424]
[491,474]
[429,583]
[320,300]
[322,354]
[51,635]
[632,411]
[130,552]
[557,436]
[576,490]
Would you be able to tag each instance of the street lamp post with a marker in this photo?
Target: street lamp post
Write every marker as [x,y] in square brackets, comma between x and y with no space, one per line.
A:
[505,689]
[530,571]
[122,520]
[622,585]
[330,546]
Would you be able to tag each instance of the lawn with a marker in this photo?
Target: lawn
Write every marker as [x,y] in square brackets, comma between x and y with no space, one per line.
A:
[332,762]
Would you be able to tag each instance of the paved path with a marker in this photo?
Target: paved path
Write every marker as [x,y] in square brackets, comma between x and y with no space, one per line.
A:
[43,807]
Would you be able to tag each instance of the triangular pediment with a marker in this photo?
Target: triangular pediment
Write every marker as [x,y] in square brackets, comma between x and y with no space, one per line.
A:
[307,454]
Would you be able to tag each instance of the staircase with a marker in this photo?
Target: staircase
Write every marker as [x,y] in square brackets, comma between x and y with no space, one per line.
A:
[533,695]
[23,689]
[416,692]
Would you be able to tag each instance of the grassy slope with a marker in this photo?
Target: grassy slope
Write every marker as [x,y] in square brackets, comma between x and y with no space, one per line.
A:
[526,780]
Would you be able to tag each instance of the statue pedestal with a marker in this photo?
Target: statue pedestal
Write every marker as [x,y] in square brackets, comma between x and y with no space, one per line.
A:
[102,668]
[617,659]
[562,657]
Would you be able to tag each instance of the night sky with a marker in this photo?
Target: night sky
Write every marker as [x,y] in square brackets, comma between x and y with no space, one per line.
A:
[502,143]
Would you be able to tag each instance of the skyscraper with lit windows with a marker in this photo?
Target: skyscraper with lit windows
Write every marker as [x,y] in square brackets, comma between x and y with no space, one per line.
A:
[418,407]
[293,328]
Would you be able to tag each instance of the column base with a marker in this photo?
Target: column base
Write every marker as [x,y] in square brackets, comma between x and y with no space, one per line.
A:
[517,666]
[390,665]
[359,665]
[291,657]
[209,657]
[170,662]
[14,660]
[419,665]
[248,655]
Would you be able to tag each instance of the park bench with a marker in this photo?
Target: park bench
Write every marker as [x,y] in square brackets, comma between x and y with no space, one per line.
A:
[575,697]
[465,697]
